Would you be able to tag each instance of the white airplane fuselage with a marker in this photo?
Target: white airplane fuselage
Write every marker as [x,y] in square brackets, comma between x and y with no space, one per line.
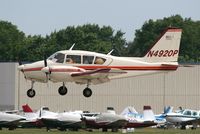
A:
[61,72]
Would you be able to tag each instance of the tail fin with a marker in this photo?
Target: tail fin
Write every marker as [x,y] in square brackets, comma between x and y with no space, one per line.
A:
[168,109]
[129,110]
[148,114]
[111,110]
[27,109]
[166,48]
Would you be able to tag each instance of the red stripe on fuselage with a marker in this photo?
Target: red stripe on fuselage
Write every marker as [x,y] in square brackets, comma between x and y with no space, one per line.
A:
[129,68]
[133,68]
[33,69]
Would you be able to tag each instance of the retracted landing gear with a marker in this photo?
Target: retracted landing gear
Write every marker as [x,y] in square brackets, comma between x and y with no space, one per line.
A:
[62,90]
[31,92]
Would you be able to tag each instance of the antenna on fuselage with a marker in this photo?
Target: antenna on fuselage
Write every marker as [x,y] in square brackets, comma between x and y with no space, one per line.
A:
[72,47]
[110,52]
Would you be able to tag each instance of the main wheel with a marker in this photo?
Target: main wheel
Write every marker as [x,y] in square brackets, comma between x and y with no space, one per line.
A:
[31,93]
[183,127]
[62,90]
[87,92]
[104,130]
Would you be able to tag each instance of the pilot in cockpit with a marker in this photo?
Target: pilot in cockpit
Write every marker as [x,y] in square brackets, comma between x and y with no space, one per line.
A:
[69,61]
[99,60]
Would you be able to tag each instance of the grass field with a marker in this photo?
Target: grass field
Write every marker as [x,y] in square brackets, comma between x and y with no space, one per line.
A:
[137,131]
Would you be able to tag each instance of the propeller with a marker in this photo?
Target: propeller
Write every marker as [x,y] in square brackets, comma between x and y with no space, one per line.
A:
[45,61]
[21,66]
[46,68]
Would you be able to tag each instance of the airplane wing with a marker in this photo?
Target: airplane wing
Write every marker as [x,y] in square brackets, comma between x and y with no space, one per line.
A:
[65,124]
[118,123]
[96,76]
[191,122]
[12,123]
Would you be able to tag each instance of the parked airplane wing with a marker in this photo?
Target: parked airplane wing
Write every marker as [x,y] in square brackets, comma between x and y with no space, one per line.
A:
[96,76]
[118,123]
[12,123]
[195,121]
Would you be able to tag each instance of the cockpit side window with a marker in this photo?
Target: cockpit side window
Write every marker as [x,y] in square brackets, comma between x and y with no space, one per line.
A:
[187,112]
[88,59]
[73,59]
[99,60]
[58,57]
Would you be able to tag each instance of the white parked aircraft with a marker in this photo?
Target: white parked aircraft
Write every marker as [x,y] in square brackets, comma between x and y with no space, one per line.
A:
[184,117]
[136,120]
[46,118]
[33,119]
[62,121]
[83,67]
[10,121]
[107,120]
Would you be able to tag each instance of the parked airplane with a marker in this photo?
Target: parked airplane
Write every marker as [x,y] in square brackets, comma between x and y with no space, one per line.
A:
[63,121]
[32,118]
[83,67]
[46,118]
[107,120]
[184,117]
[161,118]
[10,121]
[136,120]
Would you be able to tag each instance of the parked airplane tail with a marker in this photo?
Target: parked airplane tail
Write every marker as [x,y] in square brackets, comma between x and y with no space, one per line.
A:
[148,114]
[168,109]
[129,110]
[111,110]
[27,109]
[166,48]
[29,112]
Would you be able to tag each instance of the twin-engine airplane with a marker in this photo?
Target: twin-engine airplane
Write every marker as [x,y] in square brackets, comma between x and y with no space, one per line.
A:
[84,67]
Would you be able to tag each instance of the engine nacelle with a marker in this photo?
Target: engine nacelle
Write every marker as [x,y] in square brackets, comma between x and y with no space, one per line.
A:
[62,73]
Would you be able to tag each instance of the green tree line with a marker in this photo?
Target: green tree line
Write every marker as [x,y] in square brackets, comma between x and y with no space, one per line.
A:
[15,45]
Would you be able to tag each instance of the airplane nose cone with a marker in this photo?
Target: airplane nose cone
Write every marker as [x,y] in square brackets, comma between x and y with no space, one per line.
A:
[21,67]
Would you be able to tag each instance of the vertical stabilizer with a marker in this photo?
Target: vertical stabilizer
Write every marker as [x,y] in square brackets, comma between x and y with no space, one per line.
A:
[27,109]
[129,110]
[168,109]
[166,48]
[148,114]
[111,110]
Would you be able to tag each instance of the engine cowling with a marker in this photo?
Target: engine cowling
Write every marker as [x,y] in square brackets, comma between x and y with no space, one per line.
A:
[61,73]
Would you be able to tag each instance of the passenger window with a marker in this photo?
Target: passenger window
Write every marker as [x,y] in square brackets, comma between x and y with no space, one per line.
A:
[99,60]
[73,59]
[88,59]
[195,113]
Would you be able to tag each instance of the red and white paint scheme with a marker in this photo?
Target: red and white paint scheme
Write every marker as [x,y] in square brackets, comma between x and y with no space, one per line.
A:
[84,67]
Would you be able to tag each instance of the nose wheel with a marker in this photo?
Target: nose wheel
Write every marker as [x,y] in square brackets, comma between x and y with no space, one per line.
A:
[31,93]
[87,92]
[62,90]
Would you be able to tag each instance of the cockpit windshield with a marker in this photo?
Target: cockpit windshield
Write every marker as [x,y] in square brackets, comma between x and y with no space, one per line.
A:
[57,57]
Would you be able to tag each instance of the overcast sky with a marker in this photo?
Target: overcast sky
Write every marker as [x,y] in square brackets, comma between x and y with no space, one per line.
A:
[44,16]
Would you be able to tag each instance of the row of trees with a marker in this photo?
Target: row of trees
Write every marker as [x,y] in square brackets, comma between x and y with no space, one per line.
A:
[14,44]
